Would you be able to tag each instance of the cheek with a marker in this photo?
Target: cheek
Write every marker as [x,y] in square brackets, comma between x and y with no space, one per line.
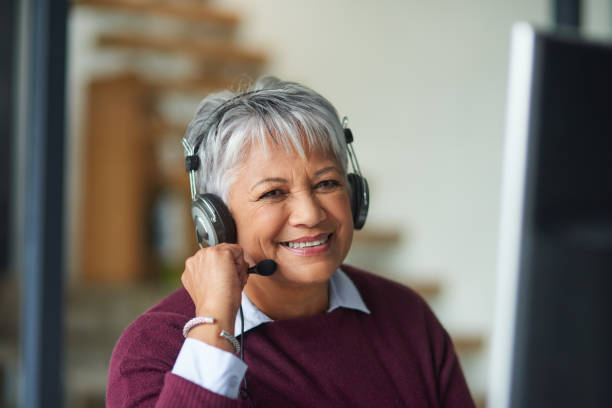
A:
[259,227]
[342,213]
[340,209]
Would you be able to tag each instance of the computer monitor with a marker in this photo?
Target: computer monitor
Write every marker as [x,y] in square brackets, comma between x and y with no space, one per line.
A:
[552,337]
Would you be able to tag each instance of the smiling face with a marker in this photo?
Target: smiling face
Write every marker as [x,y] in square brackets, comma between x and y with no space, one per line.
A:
[294,210]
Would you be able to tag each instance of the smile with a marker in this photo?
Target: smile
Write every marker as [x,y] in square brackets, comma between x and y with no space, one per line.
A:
[307,244]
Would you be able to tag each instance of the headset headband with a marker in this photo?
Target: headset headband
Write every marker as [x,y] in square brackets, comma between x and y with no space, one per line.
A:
[348,136]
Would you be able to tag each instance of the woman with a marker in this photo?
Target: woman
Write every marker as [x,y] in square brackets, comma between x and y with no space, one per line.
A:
[316,332]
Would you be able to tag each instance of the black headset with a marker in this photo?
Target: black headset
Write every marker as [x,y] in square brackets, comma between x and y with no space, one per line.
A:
[212,219]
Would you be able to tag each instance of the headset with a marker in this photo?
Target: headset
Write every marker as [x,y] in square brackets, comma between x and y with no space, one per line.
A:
[212,219]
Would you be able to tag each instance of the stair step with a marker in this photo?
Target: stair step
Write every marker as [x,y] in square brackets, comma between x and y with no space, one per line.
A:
[426,289]
[195,11]
[468,343]
[207,50]
[377,236]
[202,85]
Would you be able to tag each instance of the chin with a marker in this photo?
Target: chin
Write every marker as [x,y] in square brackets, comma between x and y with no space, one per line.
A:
[306,274]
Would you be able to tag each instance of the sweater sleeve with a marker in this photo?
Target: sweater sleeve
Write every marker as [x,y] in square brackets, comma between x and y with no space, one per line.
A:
[453,391]
[193,364]
[141,364]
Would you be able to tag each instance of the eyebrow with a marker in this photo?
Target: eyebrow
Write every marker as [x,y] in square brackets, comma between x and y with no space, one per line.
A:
[317,173]
[326,170]
[269,180]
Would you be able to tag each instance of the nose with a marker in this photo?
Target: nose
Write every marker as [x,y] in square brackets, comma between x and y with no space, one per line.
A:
[306,211]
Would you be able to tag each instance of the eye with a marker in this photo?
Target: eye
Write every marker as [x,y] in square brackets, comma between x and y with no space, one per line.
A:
[276,193]
[328,184]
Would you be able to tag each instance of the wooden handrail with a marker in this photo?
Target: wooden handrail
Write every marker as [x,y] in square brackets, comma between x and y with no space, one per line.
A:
[204,49]
[186,10]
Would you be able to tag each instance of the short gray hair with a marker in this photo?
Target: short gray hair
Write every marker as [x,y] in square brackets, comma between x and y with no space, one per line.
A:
[227,124]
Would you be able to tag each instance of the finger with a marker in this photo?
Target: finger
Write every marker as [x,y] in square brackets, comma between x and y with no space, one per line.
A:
[249,260]
[243,280]
[241,264]
[238,256]
[234,250]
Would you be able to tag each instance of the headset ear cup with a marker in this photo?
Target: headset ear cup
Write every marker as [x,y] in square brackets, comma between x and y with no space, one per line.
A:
[227,221]
[212,220]
[360,199]
[355,189]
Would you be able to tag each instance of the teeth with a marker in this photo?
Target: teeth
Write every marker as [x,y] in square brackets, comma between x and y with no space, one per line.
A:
[306,244]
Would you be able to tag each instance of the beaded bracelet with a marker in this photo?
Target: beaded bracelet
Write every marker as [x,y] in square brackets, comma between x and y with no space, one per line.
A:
[198,320]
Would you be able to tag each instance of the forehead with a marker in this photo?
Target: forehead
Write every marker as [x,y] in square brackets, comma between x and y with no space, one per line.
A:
[265,160]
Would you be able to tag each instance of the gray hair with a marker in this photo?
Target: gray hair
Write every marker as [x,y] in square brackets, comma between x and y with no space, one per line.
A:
[288,114]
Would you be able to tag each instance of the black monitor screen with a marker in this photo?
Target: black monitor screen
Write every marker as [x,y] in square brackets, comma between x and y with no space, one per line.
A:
[562,328]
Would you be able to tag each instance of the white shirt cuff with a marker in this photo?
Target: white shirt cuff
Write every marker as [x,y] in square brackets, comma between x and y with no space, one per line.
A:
[210,367]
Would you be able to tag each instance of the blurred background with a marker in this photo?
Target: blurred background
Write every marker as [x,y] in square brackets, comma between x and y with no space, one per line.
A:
[424,87]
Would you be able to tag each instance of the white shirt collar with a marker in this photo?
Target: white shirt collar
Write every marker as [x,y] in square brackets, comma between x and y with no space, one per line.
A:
[342,293]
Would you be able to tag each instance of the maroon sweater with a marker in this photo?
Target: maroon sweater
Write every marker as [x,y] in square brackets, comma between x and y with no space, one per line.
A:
[397,356]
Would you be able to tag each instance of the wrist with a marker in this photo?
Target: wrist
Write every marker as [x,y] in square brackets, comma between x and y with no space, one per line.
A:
[225,318]
[210,334]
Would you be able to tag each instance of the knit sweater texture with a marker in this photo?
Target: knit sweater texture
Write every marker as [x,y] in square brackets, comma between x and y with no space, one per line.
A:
[397,356]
